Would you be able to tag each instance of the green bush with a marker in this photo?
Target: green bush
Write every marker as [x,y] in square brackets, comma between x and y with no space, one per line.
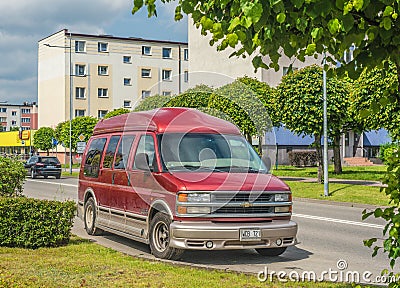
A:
[387,150]
[12,176]
[33,223]
[303,158]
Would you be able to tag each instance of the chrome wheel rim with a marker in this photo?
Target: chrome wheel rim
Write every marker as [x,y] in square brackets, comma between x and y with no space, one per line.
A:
[89,216]
[161,236]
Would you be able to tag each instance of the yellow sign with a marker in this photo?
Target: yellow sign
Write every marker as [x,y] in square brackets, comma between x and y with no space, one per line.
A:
[25,135]
[11,139]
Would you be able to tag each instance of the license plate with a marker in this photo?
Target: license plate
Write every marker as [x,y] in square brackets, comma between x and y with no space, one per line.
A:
[250,234]
[50,166]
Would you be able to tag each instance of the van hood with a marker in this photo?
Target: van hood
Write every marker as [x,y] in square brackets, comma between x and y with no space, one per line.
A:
[217,181]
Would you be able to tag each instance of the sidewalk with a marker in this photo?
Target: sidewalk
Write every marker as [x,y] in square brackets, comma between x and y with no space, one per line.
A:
[333,180]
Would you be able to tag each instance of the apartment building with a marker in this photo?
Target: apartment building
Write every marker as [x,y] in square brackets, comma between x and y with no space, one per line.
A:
[99,73]
[15,116]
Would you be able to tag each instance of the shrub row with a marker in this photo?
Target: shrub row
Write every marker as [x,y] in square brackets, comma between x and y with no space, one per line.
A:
[33,223]
[303,158]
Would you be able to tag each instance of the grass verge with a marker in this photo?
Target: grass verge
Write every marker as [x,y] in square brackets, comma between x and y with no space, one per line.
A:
[85,264]
[370,173]
[339,192]
[74,174]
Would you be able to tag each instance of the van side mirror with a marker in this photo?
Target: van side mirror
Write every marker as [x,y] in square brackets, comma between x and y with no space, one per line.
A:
[142,161]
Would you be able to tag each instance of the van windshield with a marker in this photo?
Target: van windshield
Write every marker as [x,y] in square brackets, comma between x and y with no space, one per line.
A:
[208,152]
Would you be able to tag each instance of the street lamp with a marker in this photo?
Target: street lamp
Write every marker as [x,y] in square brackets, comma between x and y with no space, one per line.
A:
[70,96]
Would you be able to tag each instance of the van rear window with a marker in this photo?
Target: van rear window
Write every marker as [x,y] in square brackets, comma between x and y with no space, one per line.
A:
[93,157]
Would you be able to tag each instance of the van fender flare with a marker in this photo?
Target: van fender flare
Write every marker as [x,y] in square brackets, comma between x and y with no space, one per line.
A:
[158,205]
[89,193]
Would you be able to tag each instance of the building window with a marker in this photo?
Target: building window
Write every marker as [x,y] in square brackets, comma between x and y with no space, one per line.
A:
[127,82]
[186,76]
[127,104]
[3,110]
[3,119]
[127,59]
[26,120]
[102,47]
[103,70]
[101,113]
[186,54]
[13,122]
[166,93]
[166,75]
[80,93]
[80,46]
[145,93]
[80,70]
[26,128]
[102,92]
[146,50]
[13,113]
[286,70]
[25,111]
[79,112]
[166,52]
[146,73]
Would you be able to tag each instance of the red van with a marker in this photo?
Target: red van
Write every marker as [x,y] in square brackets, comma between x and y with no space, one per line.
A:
[177,179]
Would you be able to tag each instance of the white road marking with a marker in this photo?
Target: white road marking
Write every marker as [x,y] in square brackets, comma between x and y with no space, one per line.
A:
[348,222]
[54,183]
[341,221]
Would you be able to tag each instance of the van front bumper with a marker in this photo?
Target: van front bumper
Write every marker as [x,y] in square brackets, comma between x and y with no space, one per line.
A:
[218,236]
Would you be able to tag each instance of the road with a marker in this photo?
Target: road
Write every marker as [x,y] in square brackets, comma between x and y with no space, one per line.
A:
[327,234]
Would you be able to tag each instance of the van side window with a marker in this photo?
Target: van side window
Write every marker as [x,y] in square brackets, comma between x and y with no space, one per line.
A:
[110,152]
[121,159]
[93,157]
[146,145]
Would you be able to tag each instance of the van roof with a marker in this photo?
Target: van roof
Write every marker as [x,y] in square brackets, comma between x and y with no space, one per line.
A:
[171,120]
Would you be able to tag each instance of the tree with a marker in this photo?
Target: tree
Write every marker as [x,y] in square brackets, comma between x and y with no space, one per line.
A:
[43,139]
[376,90]
[80,125]
[152,102]
[195,97]
[243,106]
[116,112]
[12,176]
[298,103]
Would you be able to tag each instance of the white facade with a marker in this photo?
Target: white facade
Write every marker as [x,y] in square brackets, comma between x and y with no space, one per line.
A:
[107,73]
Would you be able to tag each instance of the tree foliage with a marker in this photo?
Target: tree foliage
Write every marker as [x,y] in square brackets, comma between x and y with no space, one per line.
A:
[116,112]
[152,102]
[374,93]
[299,104]
[195,97]
[12,176]
[80,125]
[43,138]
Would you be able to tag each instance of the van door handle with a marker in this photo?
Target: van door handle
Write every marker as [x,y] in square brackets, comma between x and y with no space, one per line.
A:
[113,178]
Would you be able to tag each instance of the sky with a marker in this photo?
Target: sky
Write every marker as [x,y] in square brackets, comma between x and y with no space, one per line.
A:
[24,22]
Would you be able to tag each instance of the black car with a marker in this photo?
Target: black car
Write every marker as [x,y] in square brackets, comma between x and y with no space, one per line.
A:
[43,166]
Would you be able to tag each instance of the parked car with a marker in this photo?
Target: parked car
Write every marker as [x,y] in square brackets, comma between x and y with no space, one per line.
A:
[176,179]
[43,166]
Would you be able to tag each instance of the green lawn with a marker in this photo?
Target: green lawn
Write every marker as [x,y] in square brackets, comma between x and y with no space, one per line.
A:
[86,264]
[67,174]
[373,173]
[339,192]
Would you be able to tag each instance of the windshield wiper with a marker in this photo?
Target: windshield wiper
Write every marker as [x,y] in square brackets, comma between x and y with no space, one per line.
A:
[193,167]
[246,169]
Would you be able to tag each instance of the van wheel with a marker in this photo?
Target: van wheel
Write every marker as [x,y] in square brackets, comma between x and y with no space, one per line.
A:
[89,218]
[271,251]
[160,238]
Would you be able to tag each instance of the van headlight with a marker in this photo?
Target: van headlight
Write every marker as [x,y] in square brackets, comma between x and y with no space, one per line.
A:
[282,197]
[194,197]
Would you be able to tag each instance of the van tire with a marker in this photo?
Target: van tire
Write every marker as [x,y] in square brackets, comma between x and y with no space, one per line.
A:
[89,218]
[160,238]
[271,252]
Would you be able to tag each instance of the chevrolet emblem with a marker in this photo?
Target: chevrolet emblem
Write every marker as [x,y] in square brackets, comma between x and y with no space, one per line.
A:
[246,204]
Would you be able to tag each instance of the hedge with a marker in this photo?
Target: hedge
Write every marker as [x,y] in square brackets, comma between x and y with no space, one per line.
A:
[303,158]
[32,223]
